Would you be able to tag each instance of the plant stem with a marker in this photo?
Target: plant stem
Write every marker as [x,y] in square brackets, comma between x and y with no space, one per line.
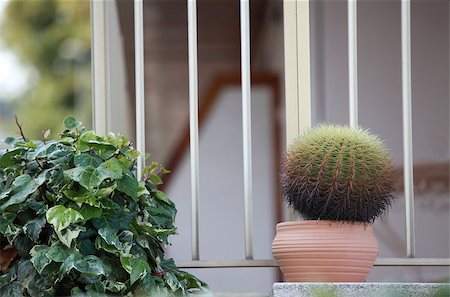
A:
[20,129]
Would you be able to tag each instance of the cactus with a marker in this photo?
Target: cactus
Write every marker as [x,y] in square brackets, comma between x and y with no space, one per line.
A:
[338,173]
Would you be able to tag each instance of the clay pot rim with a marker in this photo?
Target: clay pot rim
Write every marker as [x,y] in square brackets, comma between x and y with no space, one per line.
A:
[352,224]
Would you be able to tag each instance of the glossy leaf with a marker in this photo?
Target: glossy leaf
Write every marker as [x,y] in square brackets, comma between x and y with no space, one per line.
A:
[58,252]
[70,122]
[67,236]
[90,265]
[22,187]
[128,185]
[86,176]
[87,160]
[61,217]
[34,227]
[139,269]
[13,289]
[39,257]
[114,286]
[68,264]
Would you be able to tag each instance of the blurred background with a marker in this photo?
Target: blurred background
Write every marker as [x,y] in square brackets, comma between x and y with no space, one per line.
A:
[45,69]
[45,74]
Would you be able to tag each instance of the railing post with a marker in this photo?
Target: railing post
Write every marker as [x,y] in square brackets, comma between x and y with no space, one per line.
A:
[353,61]
[297,69]
[99,53]
[140,78]
[193,123]
[407,129]
[247,126]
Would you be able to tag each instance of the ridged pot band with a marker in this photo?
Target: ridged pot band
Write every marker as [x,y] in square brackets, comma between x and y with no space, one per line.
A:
[325,251]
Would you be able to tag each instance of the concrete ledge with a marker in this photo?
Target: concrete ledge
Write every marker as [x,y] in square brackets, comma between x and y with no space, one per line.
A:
[361,290]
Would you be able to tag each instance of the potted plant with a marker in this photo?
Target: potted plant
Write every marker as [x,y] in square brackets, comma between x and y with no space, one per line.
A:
[74,220]
[339,179]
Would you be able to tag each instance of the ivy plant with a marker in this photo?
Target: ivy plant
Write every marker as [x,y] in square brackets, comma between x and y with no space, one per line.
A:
[75,220]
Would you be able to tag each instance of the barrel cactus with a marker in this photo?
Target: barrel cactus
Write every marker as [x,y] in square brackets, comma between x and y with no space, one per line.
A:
[338,173]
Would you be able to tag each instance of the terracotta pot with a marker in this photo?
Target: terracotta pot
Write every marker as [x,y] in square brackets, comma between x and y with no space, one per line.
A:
[324,251]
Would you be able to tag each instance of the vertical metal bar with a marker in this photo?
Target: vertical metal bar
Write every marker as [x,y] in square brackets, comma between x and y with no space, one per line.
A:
[297,70]
[193,123]
[139,77]
[291,76]
[247,126]
[290,68]
[407,128]
[353,61]
[303,66]
[99,66]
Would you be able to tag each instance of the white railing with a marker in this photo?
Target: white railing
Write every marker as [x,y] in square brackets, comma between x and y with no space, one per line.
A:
[407,128]
[247,127]
[193,124]
[298,110]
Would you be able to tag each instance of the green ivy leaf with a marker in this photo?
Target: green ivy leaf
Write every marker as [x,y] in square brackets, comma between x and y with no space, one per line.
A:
[67,236]
[126,263]
[151,230]
[90,177]
[60,157]
[155,179]
[90,266]
[13,289]
[9,230]
[71,123]
[61,217]
[142,190]
[97,287]
[82,196]
[173,282]
[85,176]
[58,252]
[163,197]
[104,192]
[110,236]
[87,160]
[92,198]
[6,279]
[33,228]
[8,158]
[101,244]
[190,280]
[68,264]
[86,247]
[89,212]
[39,257]
[90,140]
[114,286]
[111,168]
[139,269]
[128,185]
[118,220]
[161,216]
[22,187]
[23,245]
[42,150]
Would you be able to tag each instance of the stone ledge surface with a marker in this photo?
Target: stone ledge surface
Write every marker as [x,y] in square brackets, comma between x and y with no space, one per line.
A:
[361,290]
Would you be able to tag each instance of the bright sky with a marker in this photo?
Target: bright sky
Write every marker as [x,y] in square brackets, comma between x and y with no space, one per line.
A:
[13,75]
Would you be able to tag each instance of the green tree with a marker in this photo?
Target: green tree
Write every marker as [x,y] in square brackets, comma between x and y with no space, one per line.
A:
[52,37]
